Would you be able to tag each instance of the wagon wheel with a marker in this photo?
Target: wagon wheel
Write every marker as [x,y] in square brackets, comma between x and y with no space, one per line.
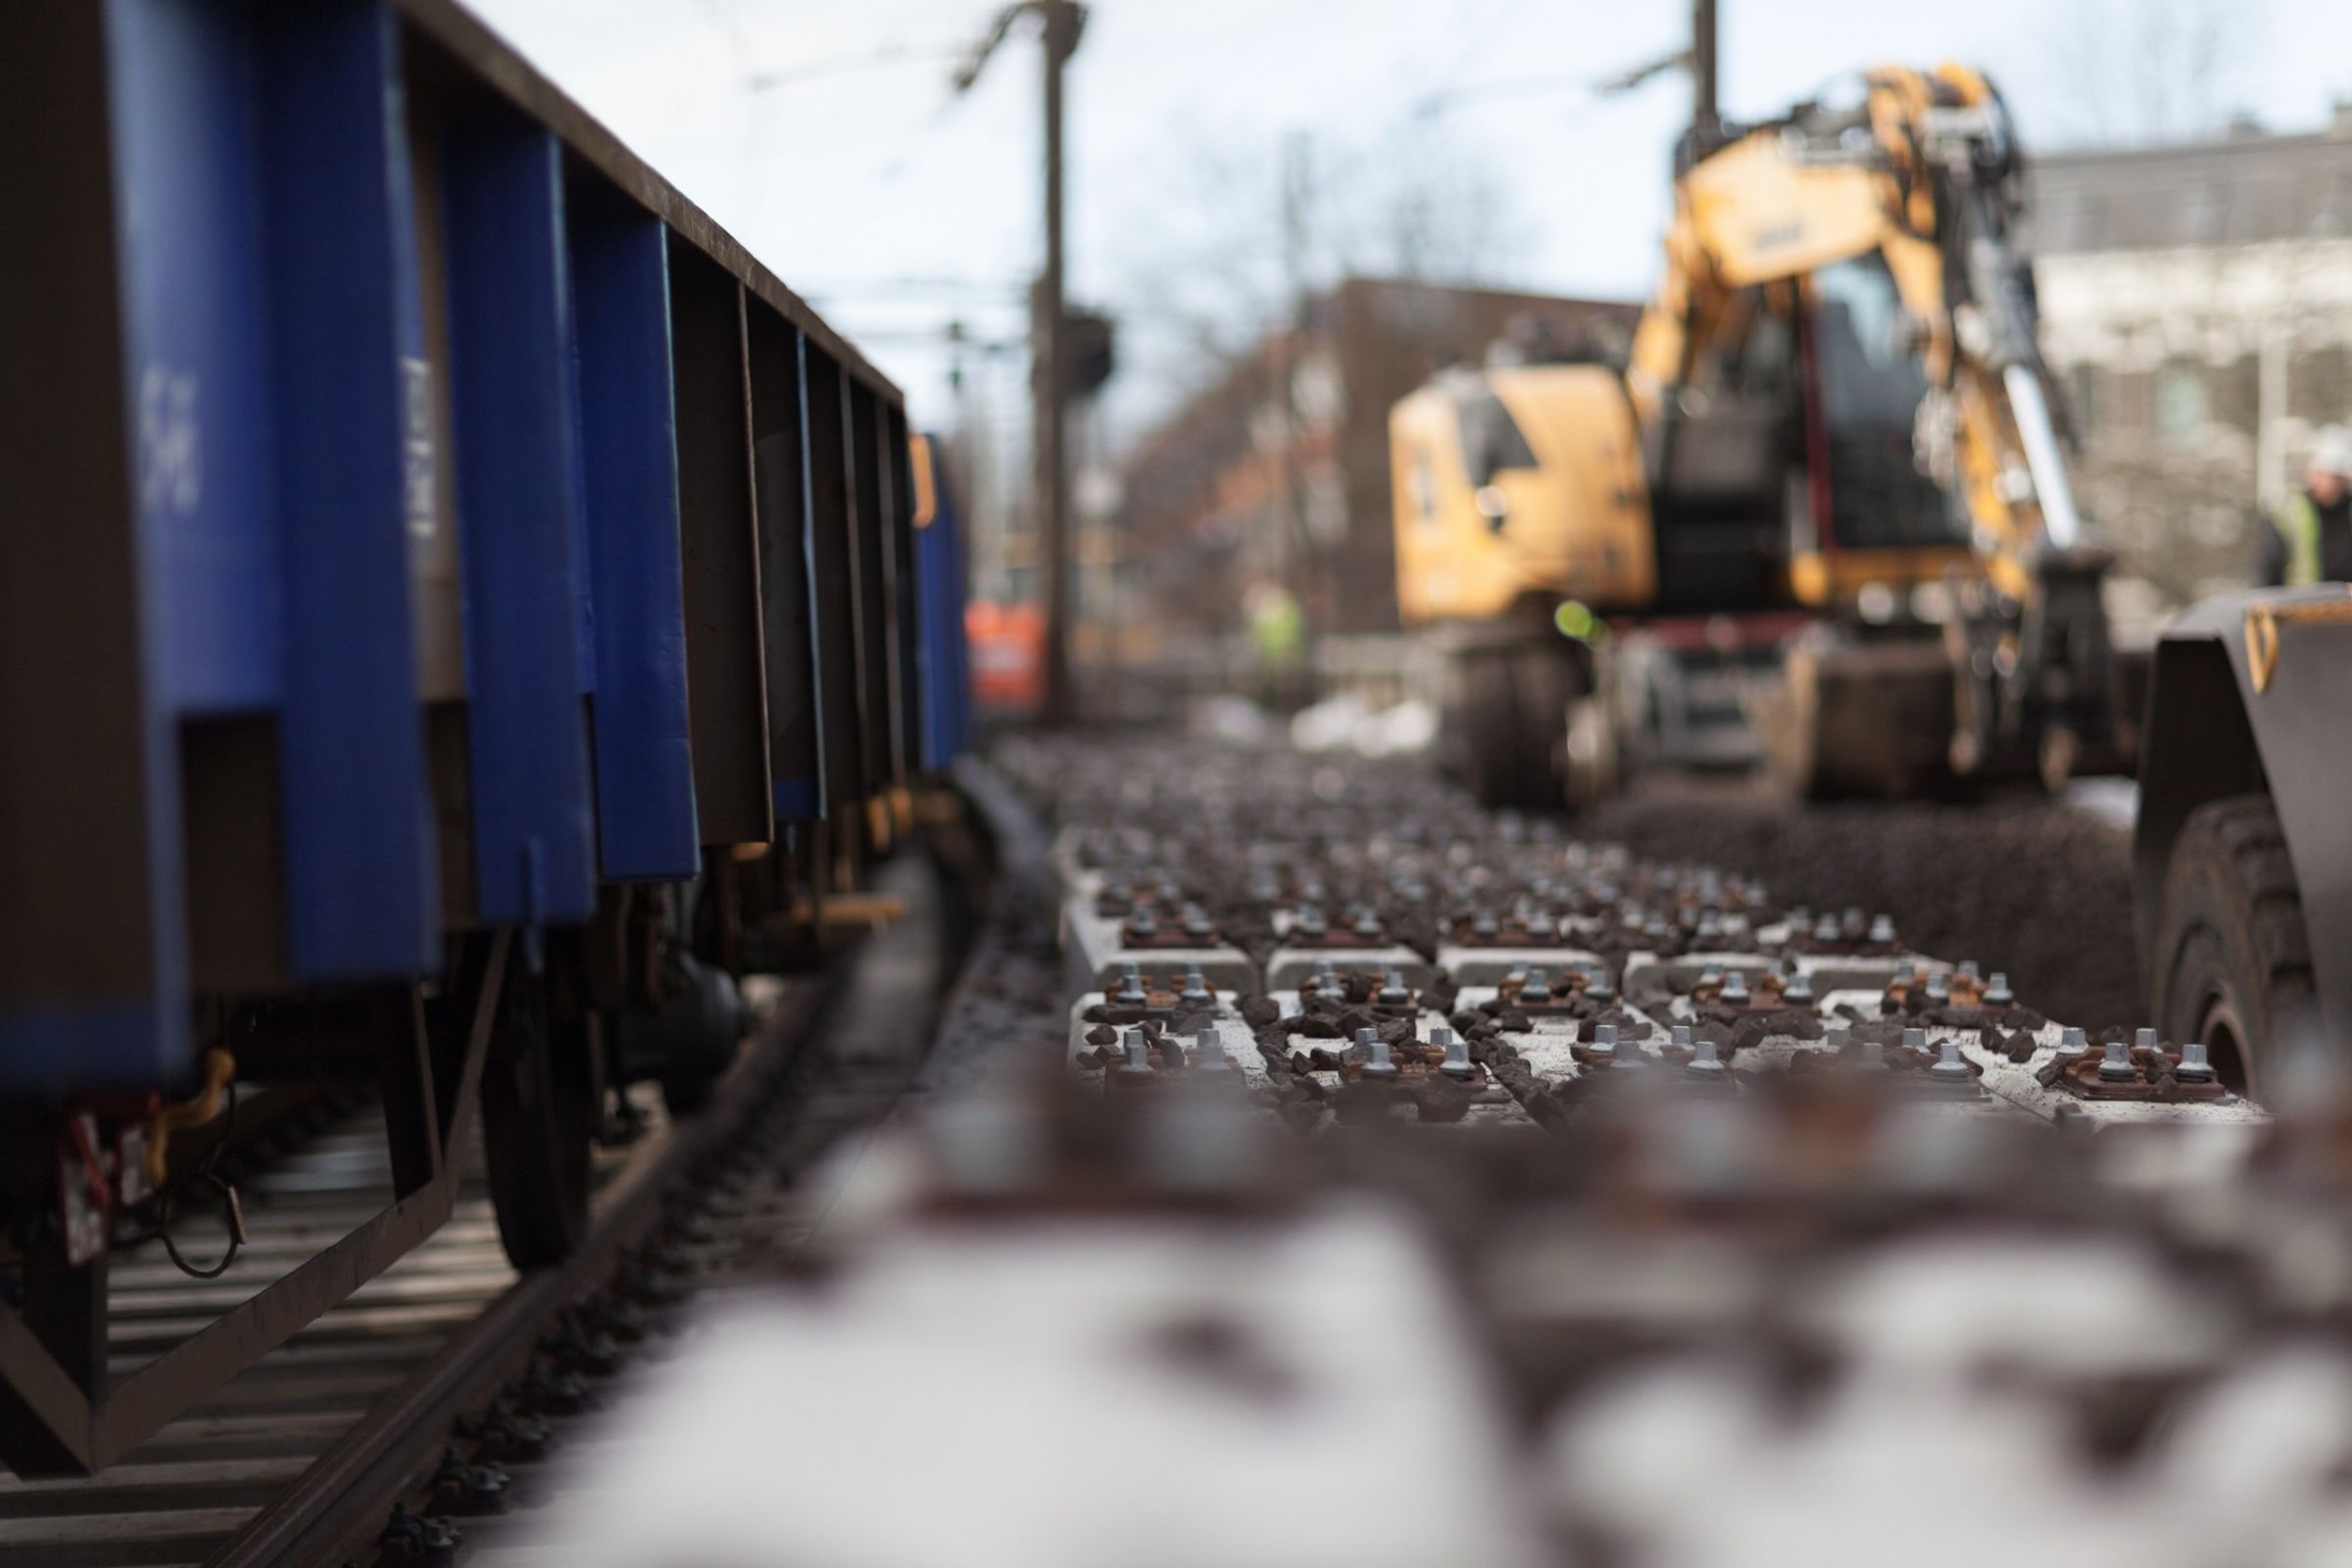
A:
[539,1114]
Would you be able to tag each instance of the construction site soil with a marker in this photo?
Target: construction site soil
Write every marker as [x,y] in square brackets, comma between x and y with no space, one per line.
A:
[2040,890]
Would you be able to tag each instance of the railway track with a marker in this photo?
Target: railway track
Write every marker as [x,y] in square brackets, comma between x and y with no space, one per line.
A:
[707,1371]
[327,1450]
[1785,1296]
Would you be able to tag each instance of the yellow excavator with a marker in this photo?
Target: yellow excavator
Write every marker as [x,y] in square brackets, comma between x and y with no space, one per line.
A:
[1821,518]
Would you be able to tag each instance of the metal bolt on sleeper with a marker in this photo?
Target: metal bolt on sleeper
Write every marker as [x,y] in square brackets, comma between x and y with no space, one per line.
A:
[2115,1068]
[1538,987]
[1940,987]
[1208,1053]
[1138,1056]
[1734,989]
[1882,929]
[1798,992]
[1393,990]
[1457,1062]
[1196,993]
[1377,1063]
[2195,1066]
[1997,990]
[1604,1041]
[1951,1067]
[1704,1057]
[2072,1042]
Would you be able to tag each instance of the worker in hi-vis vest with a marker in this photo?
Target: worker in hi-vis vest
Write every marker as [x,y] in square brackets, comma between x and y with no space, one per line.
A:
[2310,539]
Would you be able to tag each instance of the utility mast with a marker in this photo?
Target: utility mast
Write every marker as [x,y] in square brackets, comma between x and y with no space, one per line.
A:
[1061,22]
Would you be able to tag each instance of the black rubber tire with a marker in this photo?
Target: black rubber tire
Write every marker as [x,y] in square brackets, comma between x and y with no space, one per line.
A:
[2232,965]
[1514,725]
[539,1118]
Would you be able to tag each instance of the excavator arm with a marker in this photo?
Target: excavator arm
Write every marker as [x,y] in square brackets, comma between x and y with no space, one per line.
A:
[1922,174]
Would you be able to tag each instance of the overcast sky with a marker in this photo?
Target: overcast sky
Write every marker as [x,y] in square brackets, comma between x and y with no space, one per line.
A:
[895,206]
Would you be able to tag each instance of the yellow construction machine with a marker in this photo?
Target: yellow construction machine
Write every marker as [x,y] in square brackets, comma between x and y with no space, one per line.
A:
[1822,512]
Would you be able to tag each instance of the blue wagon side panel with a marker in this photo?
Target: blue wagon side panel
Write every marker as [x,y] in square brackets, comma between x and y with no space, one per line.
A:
[643,752]
[362,891]
[509,403]
[270,290]
[191,190]
[940,591]
[957,637]
[93,950]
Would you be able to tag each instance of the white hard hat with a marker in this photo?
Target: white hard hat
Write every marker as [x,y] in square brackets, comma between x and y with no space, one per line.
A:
[2332,452]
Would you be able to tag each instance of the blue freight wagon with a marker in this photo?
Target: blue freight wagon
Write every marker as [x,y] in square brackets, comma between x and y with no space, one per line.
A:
[458,611]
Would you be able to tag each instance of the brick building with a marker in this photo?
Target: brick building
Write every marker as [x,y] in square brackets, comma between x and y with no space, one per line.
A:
[1222,496]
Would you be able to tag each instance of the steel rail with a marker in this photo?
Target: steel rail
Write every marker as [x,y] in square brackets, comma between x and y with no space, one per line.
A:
[335,1506]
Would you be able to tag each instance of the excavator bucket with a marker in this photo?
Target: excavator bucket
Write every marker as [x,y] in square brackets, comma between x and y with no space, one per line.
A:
[1860,718]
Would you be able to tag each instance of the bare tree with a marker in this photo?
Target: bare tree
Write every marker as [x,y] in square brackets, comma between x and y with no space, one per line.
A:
[1416,207]
[2115,72]
[1413,206]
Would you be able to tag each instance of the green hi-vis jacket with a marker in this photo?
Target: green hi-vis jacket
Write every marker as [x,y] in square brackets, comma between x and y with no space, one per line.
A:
[2298,525]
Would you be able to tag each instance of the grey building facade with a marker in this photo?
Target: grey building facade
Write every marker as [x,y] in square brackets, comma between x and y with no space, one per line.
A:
[2197,302]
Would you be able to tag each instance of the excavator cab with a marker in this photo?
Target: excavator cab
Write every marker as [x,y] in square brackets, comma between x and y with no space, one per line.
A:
[1784,470]
[1864,388]
[1720,454]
